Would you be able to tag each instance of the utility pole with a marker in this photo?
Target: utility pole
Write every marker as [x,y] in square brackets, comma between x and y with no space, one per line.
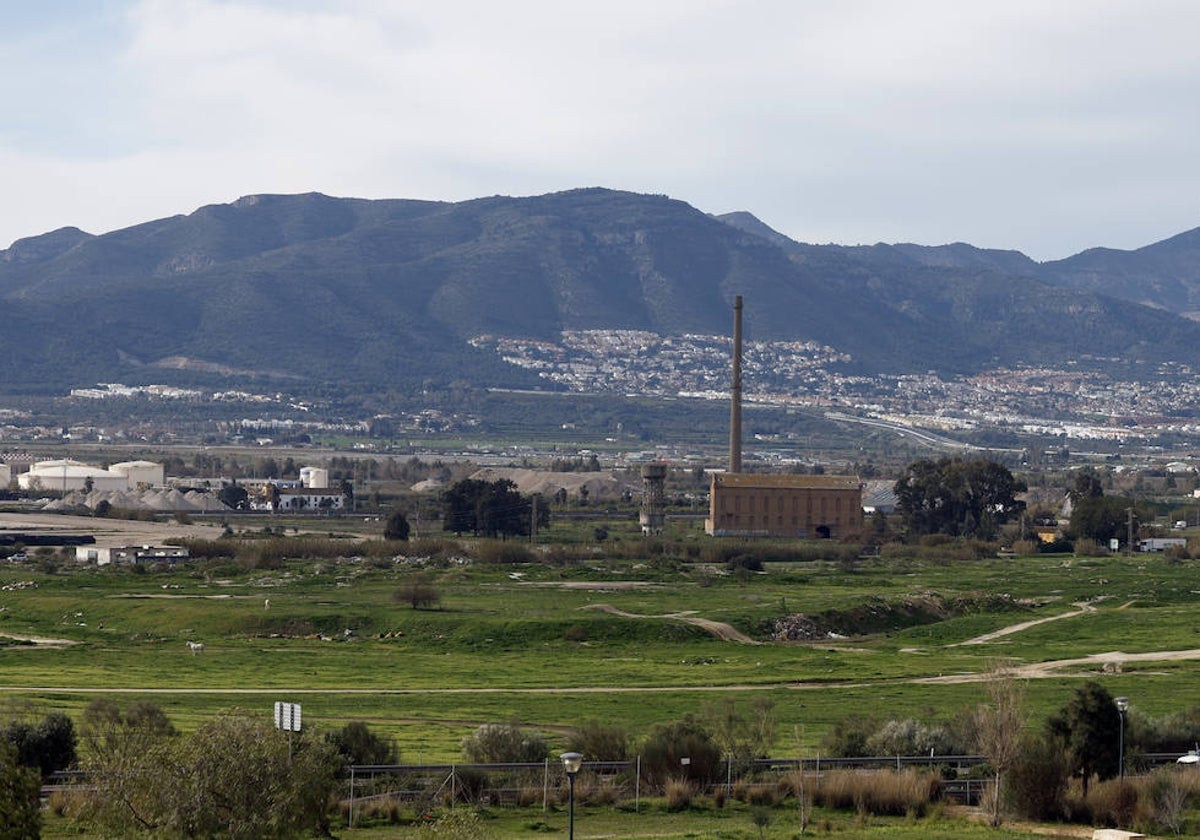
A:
[1129,527]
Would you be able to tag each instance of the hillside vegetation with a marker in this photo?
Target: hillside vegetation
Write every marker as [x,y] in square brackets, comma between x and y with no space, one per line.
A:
[387,294]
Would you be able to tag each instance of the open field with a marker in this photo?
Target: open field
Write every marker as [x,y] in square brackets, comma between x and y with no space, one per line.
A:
[610,640]
[612,637]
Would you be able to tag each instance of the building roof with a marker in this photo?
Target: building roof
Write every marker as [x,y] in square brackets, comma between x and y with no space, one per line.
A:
[793,482]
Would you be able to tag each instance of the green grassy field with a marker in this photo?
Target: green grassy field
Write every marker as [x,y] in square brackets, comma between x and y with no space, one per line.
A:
[535,645]
[542,644]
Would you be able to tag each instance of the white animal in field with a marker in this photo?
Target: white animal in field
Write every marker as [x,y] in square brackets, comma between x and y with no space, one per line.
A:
[266,603]
[196,647]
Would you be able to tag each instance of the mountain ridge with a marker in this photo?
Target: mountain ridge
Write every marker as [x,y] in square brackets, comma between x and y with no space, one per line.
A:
[388,293]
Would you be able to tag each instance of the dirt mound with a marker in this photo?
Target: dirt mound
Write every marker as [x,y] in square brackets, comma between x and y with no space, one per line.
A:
[878,615]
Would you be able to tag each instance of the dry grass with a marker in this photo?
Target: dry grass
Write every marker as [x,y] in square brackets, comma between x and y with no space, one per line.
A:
[879,792]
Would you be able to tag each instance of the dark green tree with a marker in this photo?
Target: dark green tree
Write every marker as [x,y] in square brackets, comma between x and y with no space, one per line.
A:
[357,744]
[234,496]
[46,745]
[1088,731]
[20,789]
[396,527]
[1102,518]
[1086,486]
[489,509]
[957,497]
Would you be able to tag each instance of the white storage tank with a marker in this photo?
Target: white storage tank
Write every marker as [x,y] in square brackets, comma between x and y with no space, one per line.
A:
[314,477]
[5,475]
[140,472]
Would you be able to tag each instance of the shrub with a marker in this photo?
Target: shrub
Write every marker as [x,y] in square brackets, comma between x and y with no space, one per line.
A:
[357,744]
[1113,803]
[417,592]
[1036,786]
[669,744]
[600,741]
[503,553]
[502,743]
[679,794]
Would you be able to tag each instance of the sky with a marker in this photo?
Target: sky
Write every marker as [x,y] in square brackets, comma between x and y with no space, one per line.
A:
[1044,127]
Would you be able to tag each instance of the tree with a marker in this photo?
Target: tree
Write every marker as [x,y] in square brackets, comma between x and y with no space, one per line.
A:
[233,495]
[235,777]
[1088,730]
[489,508]
[1086,486]
[741,736]
[396,527]
[956,497]
[998,725]
[20,790]
[1101,518]
[46,745]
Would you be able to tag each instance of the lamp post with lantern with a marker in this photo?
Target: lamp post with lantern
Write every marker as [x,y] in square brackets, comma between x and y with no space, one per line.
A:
[1122,707]
[572,761]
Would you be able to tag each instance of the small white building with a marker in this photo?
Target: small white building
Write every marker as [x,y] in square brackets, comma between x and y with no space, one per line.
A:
[130,554]
[5,475]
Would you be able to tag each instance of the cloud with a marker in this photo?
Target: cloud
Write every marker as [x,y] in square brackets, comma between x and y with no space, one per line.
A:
[1047,127]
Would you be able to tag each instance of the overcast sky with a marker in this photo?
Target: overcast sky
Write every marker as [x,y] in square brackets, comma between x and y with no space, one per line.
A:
[1044,126]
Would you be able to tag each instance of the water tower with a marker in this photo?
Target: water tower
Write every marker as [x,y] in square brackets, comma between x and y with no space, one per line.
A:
[654,498]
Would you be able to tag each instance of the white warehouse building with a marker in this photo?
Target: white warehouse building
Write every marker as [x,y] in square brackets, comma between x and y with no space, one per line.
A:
[67,475]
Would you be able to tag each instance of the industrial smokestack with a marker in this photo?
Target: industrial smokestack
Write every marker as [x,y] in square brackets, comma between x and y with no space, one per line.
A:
[735,392]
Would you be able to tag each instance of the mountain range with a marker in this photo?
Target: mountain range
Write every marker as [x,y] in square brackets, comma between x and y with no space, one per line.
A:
[386,294]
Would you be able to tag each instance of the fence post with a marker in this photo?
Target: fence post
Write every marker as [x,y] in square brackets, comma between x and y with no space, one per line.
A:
[351,796]
[545,784]
[637,788]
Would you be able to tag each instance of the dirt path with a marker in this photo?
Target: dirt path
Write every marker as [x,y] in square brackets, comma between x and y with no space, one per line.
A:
[1024,625]
[1111,661]
[717,628]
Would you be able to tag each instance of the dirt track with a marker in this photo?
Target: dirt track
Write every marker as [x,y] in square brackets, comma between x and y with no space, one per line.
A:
[717,628]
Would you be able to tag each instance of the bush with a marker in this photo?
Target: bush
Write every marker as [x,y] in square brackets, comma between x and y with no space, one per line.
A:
[503,553]
[679,794]
[417,592]
[504,743]
[1036,786]
[668,744]
[600,742]
[357,744]
[1113,803]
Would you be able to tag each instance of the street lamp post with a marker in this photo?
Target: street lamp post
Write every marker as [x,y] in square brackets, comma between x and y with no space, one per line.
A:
[572,761]
[1122,707]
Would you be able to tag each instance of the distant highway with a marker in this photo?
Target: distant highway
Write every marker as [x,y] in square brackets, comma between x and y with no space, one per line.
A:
[927,438]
